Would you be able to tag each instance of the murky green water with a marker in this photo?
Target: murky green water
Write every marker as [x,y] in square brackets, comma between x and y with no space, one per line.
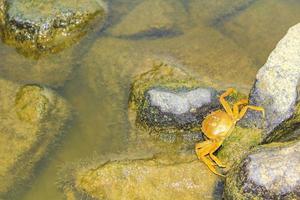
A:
[221,42]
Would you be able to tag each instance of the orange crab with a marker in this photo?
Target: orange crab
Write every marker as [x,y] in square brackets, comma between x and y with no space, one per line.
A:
[217,126]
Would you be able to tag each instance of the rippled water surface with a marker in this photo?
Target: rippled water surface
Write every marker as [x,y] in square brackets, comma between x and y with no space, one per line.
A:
[223,43]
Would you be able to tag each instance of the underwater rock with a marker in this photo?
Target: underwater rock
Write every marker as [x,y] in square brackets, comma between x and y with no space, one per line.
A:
[168,101]
[209,55]
[143,178]
[32,117]
[251,28]
[270,172]
[105,78]
[157,18]
[215,11]
[51,70]
[36,27]
[276,83]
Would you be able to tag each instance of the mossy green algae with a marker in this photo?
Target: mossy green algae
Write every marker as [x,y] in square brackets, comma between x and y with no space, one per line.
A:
[31,118]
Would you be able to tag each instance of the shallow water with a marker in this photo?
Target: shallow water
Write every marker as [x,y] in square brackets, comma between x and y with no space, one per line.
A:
[223,44]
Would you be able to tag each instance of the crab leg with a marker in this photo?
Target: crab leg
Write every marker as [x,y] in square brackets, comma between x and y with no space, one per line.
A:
[244,110]
[236,107]
[201,153]
[214,147]
[224,103]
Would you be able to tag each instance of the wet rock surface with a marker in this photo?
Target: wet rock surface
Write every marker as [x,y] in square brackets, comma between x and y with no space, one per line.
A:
[177,108]
[270,172]
[36,27]
[238,145]
[155,18]
[286,131]
[32,117]
[171,103]
[276,82]
[144,178]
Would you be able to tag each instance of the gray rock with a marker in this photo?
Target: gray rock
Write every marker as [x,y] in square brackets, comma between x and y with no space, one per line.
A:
[170,104]
[276,83]
[178,108]
[35,27]
[271,172]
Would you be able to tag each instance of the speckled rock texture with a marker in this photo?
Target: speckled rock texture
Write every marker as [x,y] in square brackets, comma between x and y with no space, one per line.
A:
[32,117]
[36,27]
[165,178]
[178,108]
[169,102]
[270,172]
[276,83]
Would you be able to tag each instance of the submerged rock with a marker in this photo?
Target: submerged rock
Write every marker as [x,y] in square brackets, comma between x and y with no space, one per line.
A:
[276,83]
[170,102]
[252,26]
[32,117]
[51,70]
[155,18]
[214,11]
[144,178]
[36,27]
[270,172]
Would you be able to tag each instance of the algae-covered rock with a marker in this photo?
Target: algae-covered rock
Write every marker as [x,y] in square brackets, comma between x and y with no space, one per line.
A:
[144,178]
[169,101]
[276,83]
[51,70]
[270,172]
[31,104]
[286,131]
[152,19]
[2,12]
[36,27]
[238,144]
[32,117]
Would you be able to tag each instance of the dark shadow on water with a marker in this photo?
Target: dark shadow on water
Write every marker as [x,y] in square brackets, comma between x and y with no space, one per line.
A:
[227,16]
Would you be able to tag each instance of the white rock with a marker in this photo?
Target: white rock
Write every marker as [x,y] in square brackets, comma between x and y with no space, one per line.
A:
[181,102]
[276,82]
